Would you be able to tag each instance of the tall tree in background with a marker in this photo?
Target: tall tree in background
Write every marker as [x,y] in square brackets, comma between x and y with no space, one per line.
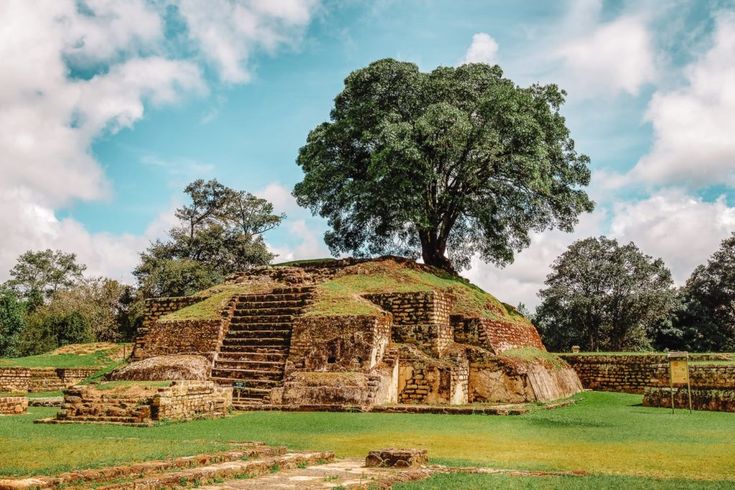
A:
[12,323]
[707,320]
[456,162]
[219,232]
[38,275]
[604,296]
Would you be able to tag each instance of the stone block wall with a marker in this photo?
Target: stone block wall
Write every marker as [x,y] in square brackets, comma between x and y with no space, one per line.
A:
[42,379]
[426,380]
[198,337]
[505,335]
[424,384]
[155,308]
[420,318]
[495,335]
[635,373]
[627,374]
[339,343]
[191,400]
[702,399]
[13,405]
[15,379]
[183,400]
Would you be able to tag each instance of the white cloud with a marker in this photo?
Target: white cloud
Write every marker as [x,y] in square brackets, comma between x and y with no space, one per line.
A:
[229,32]
[49,119]
[107,28]
[611,58]
[281,197]
[681,229]
[693,125]
[484,49]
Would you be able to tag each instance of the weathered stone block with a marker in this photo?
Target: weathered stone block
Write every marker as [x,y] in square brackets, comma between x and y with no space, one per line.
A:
[397,458]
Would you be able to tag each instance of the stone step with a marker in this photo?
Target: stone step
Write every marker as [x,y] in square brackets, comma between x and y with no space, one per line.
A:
[249,333]
[265,312]
[247,374]
[259,326]
[251,393]
[250,319]
[254,355]
[231,470]
[248,364]
[265,305]
[103,419]
[259,297]
[246,403]
[247,383]
[293,289]
[239,344]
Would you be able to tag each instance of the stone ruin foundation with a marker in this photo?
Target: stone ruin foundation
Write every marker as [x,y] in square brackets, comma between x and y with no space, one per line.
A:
[13,404]
[413,350]
[144,405]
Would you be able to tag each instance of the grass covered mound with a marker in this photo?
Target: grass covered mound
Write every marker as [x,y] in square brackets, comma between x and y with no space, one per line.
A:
[92,355]
[343,294]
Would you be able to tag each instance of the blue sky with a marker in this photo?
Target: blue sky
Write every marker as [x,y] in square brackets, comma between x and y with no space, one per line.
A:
[111,108]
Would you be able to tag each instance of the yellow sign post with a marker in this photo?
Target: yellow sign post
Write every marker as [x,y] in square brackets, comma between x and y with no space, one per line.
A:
[679,375]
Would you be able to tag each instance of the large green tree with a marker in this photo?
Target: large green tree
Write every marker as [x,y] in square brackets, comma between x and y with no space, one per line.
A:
[12,322]
[446,164]
[38,275]
[707,321]
[219,232]
[604,296]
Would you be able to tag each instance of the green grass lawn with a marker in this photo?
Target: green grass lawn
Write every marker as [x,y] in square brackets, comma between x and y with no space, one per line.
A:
[96,359]
[608,435]
[484,482]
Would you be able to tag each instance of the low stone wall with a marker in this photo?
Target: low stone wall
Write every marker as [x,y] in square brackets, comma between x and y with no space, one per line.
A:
[41,379]
[339,343]
[702,399]
[186,401]
[13,404]
[635,373]
[142,405]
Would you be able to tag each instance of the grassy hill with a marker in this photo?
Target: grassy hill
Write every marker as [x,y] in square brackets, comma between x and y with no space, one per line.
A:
[342,295]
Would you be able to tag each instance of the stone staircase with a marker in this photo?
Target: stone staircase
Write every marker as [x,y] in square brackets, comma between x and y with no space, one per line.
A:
[253,354]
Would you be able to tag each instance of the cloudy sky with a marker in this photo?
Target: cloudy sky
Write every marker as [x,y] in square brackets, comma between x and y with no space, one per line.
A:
[109,108]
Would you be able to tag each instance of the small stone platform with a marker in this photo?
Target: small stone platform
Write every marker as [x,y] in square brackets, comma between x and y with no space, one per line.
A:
[397,458]
[13,404]
[141,405]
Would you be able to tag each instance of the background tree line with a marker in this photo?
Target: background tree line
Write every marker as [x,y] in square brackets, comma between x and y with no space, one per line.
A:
[49,302]
[603,296]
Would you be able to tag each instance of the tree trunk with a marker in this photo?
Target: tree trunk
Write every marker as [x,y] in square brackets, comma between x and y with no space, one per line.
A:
[432,251]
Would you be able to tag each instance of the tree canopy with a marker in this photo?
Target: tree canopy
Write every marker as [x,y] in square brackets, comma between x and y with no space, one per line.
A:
[604,296]
[12,323]
[37,275]
[458,161]
[218,232]
[707,320]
